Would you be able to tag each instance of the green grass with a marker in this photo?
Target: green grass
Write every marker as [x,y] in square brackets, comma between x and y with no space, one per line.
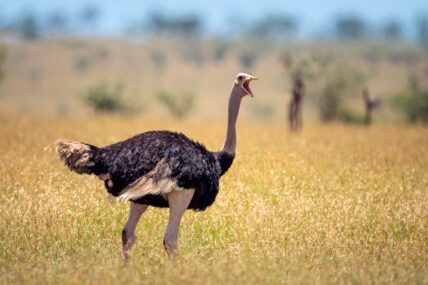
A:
[333,204]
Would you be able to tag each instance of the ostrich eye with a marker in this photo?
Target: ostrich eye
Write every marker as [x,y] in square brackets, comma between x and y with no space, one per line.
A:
[240,77]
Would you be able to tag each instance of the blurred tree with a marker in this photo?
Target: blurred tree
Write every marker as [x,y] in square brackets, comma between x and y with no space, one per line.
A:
[339,83]
[422,30]
[57,22]
[295,118]
[29,26]
[300,68]
[329,84]
[275,26]
[351,27]
[189,25]
[392,30]
[330,98]
[413,102]
[89,16]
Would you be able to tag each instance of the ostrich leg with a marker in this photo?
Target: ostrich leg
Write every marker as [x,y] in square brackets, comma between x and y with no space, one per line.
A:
[178,202]
[128,232]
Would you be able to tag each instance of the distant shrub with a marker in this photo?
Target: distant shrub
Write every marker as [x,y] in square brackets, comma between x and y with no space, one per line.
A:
[179,105]
[81,63]
[413,102]
[102,98]
[338,85]
[247,59]
[349,116]
[329,101]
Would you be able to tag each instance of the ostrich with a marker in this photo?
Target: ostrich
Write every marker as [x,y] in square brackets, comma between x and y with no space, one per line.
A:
[160,169]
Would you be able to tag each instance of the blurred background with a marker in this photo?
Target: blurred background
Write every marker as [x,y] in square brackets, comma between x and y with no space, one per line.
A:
[348,61]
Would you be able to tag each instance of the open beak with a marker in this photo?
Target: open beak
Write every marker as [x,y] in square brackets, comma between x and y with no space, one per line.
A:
[246,85]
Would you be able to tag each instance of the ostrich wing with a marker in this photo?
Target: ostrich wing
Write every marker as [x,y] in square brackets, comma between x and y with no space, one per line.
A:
[155,182]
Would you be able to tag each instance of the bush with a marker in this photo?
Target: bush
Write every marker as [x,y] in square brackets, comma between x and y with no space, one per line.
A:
[102,98]
[81,63]
[338,85]
[329,101]
[349,116]
[413,102]
[179,105]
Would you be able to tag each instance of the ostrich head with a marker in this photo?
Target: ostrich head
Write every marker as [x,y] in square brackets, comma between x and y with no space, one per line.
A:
[242,81]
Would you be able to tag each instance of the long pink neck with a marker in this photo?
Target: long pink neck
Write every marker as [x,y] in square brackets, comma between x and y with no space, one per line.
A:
[234,104]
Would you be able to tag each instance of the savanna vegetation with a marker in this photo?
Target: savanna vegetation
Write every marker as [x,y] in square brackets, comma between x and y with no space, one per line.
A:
[333,204]
[336,202]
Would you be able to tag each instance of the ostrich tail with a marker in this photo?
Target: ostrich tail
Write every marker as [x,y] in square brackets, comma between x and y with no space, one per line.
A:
[75,155]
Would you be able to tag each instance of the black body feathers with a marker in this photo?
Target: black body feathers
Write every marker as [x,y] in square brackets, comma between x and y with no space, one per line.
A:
[225,159]
[190,163]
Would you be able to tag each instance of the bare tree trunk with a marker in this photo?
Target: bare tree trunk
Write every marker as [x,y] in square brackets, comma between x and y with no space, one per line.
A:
[370,104]
[295,108]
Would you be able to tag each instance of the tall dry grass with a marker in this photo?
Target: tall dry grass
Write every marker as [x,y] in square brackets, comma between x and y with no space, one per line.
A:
[334,204]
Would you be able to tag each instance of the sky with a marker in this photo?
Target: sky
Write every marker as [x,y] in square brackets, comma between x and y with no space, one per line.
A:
[313,15]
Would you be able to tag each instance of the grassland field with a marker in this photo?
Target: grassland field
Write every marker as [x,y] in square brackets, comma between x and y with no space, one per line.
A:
[334,204]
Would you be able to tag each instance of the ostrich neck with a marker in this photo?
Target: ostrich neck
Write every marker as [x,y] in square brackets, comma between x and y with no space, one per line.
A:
[234,104]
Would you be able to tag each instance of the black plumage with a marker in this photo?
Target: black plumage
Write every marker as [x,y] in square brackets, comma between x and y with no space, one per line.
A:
[189,162]
[160,169]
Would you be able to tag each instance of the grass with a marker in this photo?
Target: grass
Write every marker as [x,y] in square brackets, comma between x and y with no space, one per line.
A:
[333,204]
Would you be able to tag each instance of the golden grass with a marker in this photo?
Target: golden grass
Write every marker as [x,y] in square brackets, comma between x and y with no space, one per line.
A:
[334,204]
